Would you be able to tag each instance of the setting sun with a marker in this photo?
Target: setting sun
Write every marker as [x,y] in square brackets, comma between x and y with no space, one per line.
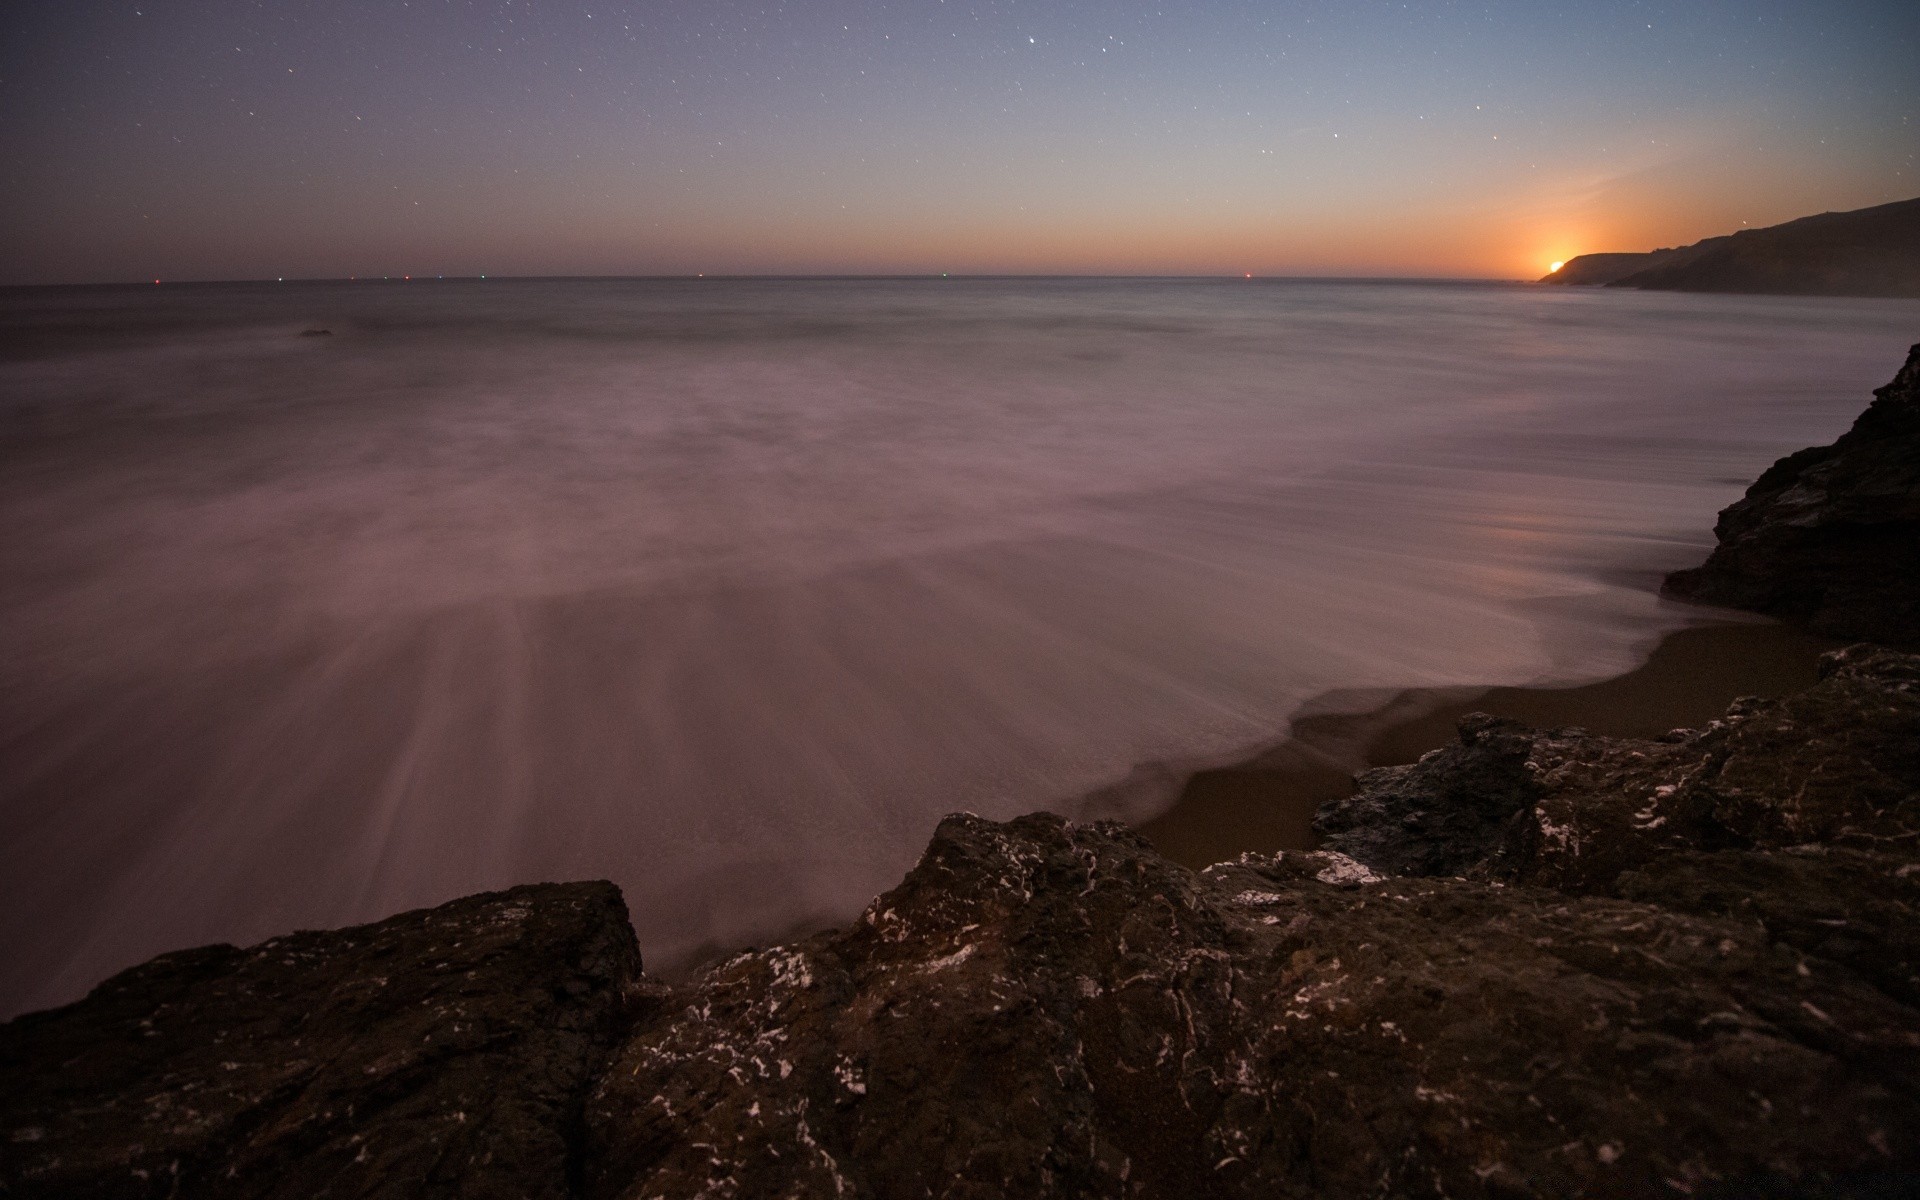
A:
[1555,267]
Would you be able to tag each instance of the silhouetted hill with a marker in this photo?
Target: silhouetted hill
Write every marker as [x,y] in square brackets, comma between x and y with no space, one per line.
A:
[1867,252]
[1592,269]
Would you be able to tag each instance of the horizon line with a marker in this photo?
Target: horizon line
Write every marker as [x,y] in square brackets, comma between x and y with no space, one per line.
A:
[1254,277]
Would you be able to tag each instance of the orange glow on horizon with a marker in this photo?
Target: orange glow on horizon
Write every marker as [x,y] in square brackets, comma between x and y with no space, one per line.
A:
[1452,240]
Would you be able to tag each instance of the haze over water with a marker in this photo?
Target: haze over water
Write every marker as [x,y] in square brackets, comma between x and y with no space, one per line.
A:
[728,589]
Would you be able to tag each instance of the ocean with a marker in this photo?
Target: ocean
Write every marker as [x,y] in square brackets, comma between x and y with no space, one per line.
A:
[727,590]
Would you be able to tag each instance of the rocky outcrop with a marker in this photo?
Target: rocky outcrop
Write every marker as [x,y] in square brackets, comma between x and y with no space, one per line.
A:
[438,1053]
[1442,816]
[1837,765]
[1830,535]
[1866,252]
[1673,964]
[1044,1009]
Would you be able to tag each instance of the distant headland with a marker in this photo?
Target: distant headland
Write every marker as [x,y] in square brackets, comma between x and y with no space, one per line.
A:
[1867,252]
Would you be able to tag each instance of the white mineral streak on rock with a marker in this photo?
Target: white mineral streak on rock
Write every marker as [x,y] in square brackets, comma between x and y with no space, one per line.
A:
[806,1139]
[1341,869]
[951,960]
[1560,835]
[1257,898]
[1646,818]
[849,1077]
[790,969]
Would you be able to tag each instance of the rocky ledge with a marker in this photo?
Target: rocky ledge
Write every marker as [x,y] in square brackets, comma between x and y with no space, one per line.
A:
[1830,535]
[437,1053]
[1535,963]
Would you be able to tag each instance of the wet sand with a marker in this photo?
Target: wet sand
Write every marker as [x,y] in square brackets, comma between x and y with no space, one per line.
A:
[1267,803]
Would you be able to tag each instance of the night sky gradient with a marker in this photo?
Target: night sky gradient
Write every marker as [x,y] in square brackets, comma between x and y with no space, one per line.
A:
[215,139]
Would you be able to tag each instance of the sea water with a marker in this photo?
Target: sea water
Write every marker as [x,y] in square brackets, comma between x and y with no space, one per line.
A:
[727,590]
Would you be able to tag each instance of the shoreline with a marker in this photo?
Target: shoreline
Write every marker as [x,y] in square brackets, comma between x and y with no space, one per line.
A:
[1267,803]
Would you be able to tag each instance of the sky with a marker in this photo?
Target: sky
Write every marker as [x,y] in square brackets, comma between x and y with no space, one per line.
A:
[246,139]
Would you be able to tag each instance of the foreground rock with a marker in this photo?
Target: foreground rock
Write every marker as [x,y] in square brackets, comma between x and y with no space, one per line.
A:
[1837,765]
[1803,813]
[1679,966]
[438,1053]
[1043,1009]
[1830,535]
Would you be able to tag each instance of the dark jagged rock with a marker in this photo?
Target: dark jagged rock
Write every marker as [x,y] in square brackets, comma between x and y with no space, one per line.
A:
[1439,816]
[1837,765]
[1858,909]
[1867,252]
[1044,1009]
[1830,535]
[443,1052]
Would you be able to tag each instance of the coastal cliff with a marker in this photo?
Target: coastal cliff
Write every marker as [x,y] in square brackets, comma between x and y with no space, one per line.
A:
[1534,963]
[1866,252]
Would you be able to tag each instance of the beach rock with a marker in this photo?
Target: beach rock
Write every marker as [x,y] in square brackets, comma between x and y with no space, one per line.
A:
[444,1052]
[1830,535]
[1836,765]
[1851,907]
[1050,1009]
[1442,815]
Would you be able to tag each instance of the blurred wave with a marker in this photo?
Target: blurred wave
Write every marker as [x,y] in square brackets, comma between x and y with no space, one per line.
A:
[728,589]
